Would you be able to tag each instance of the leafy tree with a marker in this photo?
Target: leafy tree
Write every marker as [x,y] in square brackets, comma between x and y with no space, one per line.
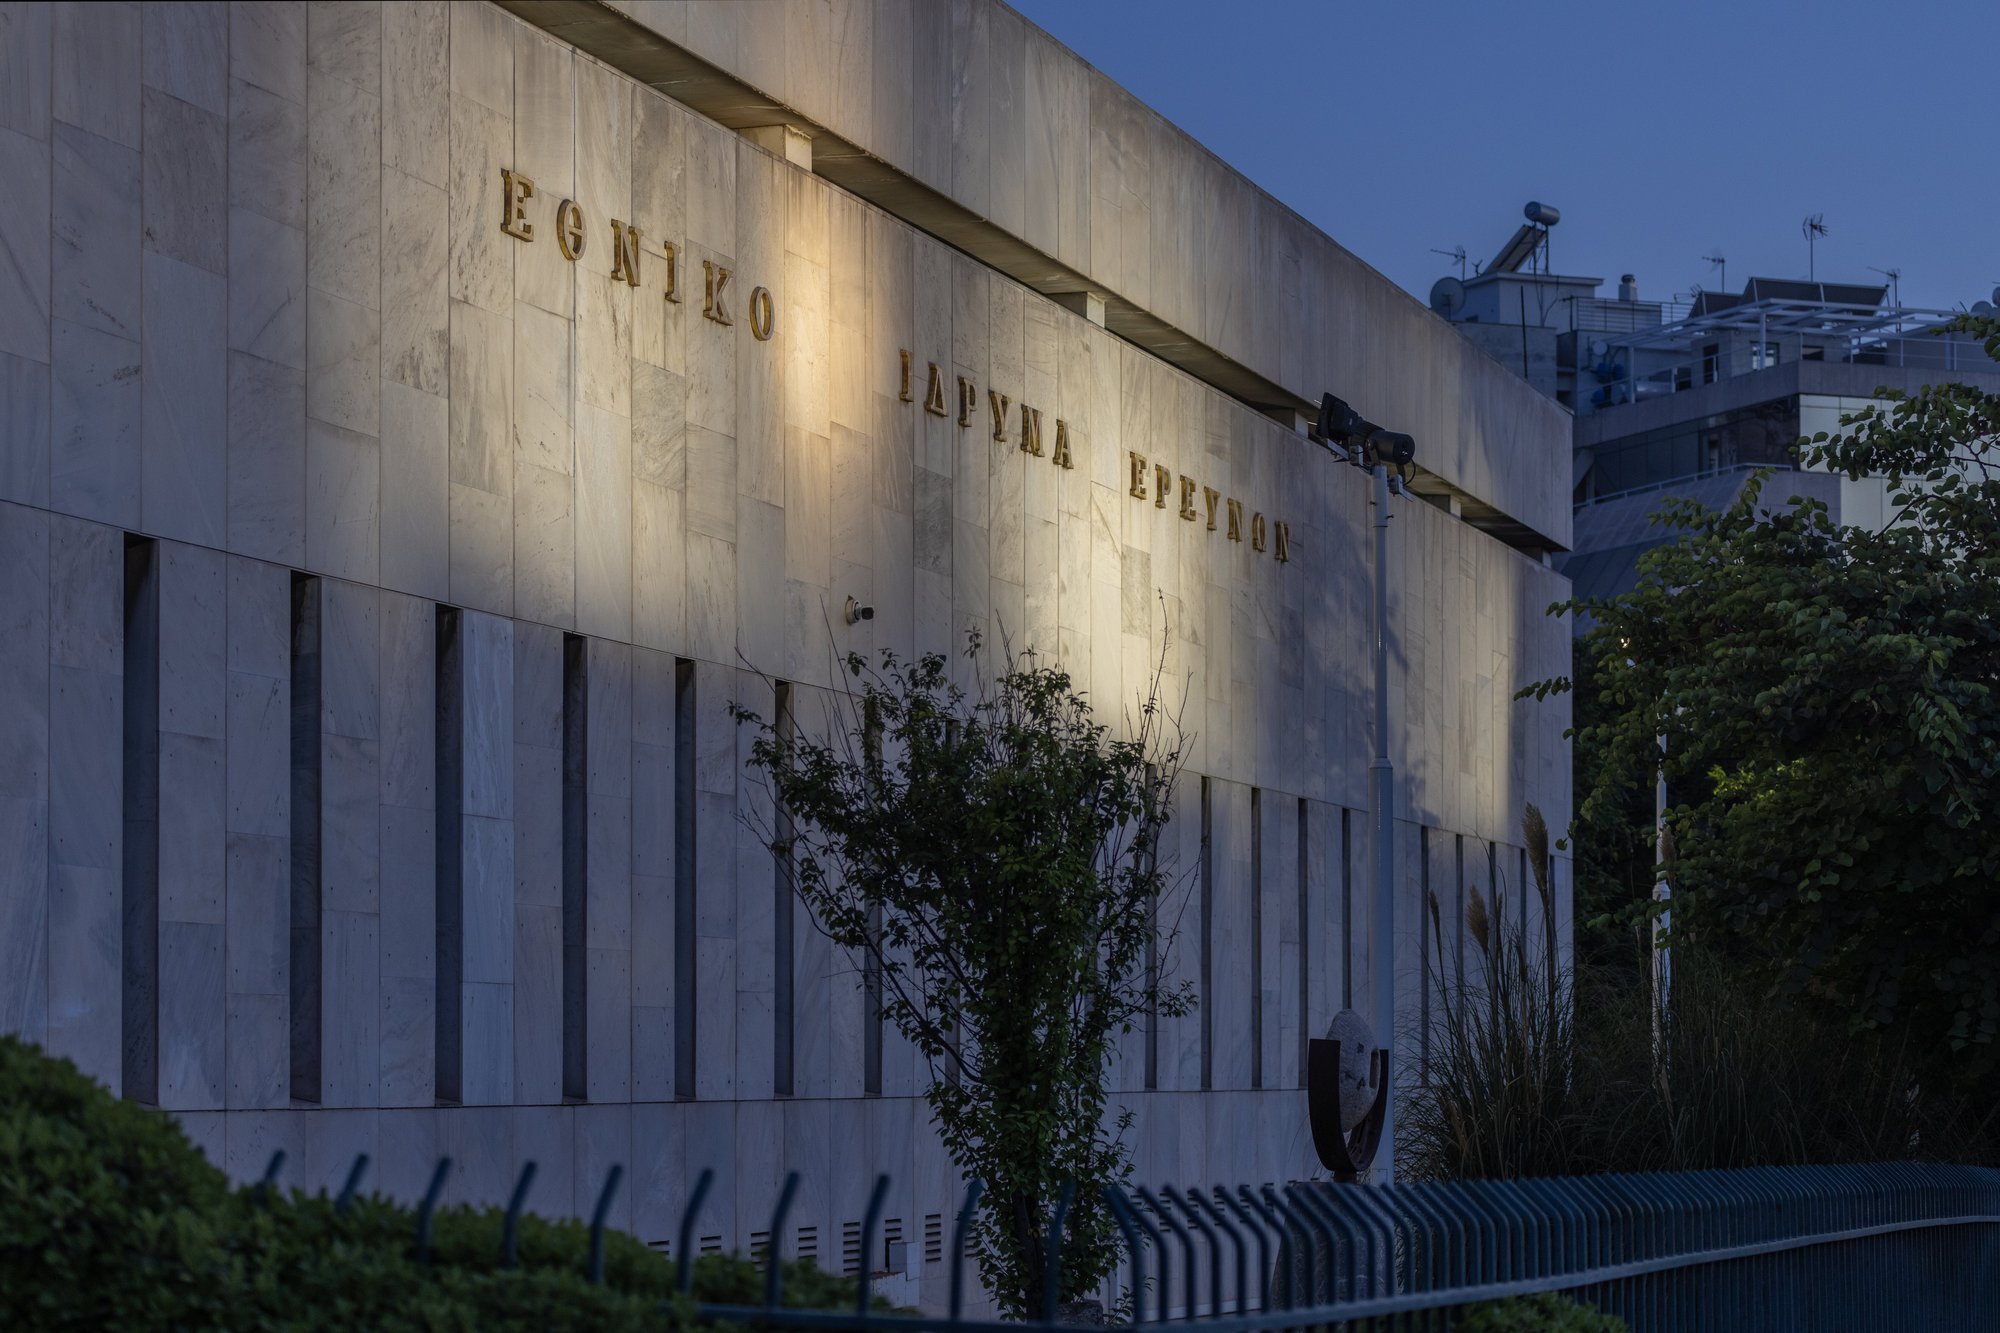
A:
[995,857]
[1828,695]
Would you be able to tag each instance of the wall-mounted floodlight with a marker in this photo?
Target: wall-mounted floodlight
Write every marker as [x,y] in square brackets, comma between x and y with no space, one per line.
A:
[1362,441]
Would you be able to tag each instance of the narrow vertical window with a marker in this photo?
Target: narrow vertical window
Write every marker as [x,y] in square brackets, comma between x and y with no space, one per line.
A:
[141,818]
[575,865]
[449,712]
[1256,937]
[685,952]
[1305,943]
[1426,915]
[305,907]
[782,911]
[871,975]
[1207,890]
[1347,908]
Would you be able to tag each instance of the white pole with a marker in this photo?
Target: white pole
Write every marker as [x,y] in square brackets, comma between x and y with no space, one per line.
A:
[1382,816]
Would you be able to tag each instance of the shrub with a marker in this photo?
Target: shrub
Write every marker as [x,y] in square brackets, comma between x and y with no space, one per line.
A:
[1545,1312]
[109,1217]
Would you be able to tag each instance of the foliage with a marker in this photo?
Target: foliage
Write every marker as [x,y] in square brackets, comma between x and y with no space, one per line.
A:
[994,854]
[1539,1072]
[1828,696]
[110,1218]
[1545,1312]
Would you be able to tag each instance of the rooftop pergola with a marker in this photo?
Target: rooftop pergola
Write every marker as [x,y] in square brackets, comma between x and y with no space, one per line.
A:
[1778,316]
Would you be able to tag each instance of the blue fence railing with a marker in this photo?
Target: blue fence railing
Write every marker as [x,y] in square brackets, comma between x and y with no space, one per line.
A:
[1899,1246]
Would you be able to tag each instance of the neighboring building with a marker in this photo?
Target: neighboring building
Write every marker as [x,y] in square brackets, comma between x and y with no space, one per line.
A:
[1686,399]
[386,543]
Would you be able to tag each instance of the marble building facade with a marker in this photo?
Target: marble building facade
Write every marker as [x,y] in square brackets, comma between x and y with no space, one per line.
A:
[385,544]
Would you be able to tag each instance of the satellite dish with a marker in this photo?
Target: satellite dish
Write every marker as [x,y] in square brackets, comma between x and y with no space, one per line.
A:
[1447,295]
[1983,307]
[1598,347]
[1996,296]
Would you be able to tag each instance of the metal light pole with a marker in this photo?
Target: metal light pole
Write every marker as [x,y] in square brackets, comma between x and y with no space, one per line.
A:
[1382,815]
[1367,445]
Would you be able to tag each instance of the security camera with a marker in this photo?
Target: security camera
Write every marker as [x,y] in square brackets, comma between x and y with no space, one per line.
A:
[857,612]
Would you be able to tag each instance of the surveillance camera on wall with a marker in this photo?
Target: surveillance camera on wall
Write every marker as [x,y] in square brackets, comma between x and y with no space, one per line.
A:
[857,612]
[1359,439]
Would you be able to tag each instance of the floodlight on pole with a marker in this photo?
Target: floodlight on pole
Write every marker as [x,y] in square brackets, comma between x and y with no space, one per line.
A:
[1356,440]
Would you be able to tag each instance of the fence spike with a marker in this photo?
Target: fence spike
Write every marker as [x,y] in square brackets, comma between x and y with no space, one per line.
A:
[1160,1249]
[684,1276]
[1208,1238]
[1307,1209]
[597,1217]
[1121,1213]
[774,1240]
[513,1222]
[958,1233]
[354,1174]
[1286,1225]
[1263,1247]
[428,1207]
[1236,1242]
[1052,1256]
[868,1221]
[1187,1246]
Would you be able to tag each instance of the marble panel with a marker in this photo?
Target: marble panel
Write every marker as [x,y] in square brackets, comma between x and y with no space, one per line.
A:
[608,894]
[259,754]
[482,549]
[192,1016]
[267,291]
[760,584]
[608,1020]
[482,256]
[604,341]
[85,943]
[482,66]
[267,459]
[343,501]
[184,403]
[194,602]
[344,39]
[256,1051]
[95,76]
[95,221]
[187,52]
[659,426]
[24,746]
[604,523]
[545,543]
[409,1033]
[24,429]
[482,378]
[267,47]
[416,307]
[344,363]
[186,182]
[416,464]
[409,893]
[24,246]
[489,902]
[344,189]
[486,648]
[351,1013]
[544,358]
[659,557]
[267,153]
[416,103]
[487,1042]
[350,825]
[538,1004]
[408,726]
[257,940]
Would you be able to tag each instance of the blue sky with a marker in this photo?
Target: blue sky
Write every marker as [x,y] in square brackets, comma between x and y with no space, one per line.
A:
[1661,131]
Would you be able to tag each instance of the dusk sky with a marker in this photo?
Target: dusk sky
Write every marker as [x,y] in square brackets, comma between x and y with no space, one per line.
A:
[1661,131]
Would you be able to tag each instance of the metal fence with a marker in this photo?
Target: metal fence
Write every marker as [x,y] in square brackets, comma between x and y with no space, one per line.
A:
[1897,1246]
[1902,1246]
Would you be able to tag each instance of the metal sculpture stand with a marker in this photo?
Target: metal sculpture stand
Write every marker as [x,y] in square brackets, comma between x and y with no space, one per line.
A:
[1346,1155]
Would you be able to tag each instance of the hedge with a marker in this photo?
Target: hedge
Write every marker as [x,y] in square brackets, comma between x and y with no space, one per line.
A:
[110,1217]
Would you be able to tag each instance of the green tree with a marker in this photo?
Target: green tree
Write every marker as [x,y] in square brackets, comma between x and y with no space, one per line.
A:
[994,855]
[1828,695]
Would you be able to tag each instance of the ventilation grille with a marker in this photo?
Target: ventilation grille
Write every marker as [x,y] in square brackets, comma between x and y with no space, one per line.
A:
[933,1238]
[711,1245]
[662,1248]
[850,1249]
[760,1244]
[809,1244]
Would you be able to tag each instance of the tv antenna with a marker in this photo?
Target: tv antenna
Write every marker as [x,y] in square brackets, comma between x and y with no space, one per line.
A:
[1457,255]
[1895,277]
[1721,266]
[1814,227]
